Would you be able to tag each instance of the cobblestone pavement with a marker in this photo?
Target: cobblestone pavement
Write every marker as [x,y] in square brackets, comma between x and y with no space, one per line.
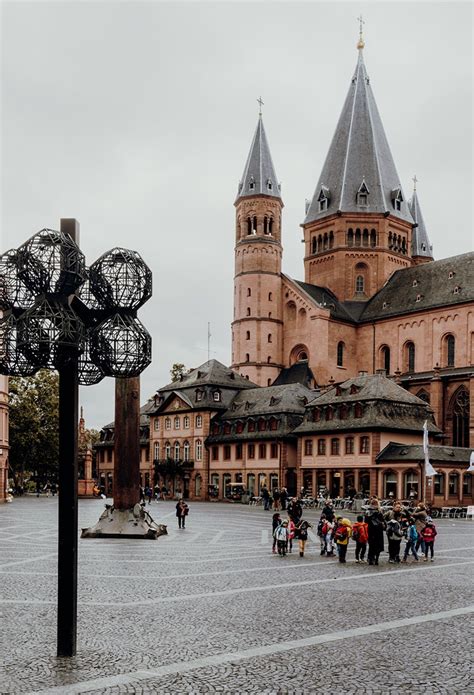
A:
[210,609]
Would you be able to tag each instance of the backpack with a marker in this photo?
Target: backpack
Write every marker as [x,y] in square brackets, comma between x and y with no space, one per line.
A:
[362,534]
[321,525]
[325,528]
[356,533]
[413,534]
[341,533]
[394,530]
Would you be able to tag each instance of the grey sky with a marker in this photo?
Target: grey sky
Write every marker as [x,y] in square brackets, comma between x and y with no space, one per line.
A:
[136,118]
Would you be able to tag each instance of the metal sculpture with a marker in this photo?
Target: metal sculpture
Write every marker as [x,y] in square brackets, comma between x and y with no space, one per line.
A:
[56,314]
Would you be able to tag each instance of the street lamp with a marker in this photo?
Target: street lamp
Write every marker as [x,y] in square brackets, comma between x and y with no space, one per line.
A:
[57,314]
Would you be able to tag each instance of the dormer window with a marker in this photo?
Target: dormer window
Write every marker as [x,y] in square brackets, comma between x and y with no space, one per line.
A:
[362,197]
[456,290]
[415,283]
[419,297]
[199,395]
[216,396]
[269,184]
[252,183]
[397,198]
[450,275]
[323,199]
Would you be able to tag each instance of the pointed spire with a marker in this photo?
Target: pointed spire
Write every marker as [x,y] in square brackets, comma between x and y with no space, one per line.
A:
[359,151]
[259,175]
[420,242]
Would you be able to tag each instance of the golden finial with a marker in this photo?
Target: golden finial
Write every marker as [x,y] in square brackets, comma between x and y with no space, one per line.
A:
[360,43]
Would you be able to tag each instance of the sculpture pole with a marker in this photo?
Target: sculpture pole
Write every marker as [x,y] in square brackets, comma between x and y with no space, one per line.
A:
[127,443]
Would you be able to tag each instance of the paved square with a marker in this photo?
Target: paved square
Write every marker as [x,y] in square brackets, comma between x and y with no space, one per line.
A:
[210,609]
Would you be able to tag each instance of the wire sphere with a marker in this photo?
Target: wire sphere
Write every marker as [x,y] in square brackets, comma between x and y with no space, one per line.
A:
[51,262]
[121,346]
[12,361]
[88,372]
[86,295]
[120,279]
[46,330]
[13,291]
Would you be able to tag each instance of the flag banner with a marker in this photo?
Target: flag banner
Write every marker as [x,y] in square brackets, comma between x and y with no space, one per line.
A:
[471,463]
[429,470]
[425,438]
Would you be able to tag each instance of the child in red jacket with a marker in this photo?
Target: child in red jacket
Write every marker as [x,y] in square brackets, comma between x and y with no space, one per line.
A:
[429,534]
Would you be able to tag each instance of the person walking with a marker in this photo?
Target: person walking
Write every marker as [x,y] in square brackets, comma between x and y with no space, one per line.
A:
[182,511]
[341,536]
[420,516]
[295,510]
[291,534]
[376,526]
[360,534]
[283,498]
[429,534]
[412,537]
[276,521]
[394,537]
[281,535]
[328,531]
[301,532]
[328,510]
[265,495]
[321,531]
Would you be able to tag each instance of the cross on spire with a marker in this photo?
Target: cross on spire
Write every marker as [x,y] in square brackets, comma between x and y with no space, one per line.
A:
[261,103]
[361,40]
[415,181]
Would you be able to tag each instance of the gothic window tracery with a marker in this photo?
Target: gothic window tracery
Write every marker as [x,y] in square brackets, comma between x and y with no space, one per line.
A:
[459,413]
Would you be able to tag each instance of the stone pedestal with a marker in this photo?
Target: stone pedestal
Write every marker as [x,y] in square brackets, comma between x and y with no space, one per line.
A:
[130,523]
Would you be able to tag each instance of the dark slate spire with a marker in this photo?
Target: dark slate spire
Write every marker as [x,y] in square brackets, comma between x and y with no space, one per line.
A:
[420,243]
[259,175]
[359,173]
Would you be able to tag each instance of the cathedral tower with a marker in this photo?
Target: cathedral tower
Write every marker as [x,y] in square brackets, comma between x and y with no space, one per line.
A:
[358,226]
[257,324]
[421,248]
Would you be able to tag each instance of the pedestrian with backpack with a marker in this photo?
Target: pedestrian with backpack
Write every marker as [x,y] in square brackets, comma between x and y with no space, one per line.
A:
[276,521]
[428,535]
[301,532]
[394,537]
[281,535]
[376,526]
[322,530]
[412,537]
[329,527]
[341,536]
[360,534]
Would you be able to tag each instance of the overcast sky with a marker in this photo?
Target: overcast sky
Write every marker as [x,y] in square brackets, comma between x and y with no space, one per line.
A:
[136,118]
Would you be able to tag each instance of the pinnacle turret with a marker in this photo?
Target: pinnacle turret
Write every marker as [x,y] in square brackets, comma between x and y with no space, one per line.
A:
[259,177]
[359,173]
[420,242]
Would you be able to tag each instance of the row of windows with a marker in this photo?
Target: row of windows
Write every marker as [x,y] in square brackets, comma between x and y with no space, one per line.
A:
[267,225]
[252,450]
[174,451]
[177,422]
[260,425]
[269,337]
[448,352]
[439,482]
[344,411]
[335,446]
[360,237]
[249,294]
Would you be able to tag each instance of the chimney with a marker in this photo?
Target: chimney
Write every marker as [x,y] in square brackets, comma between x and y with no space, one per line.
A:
[381,372]
[363,373]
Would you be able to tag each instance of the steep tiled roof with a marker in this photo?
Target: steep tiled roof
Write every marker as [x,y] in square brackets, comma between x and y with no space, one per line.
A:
[288,398]
[413,452]
[420,244]
[359,156]
[323,297]
[299,373]
[211,373]
[259,175]
[422,287]
[367,387]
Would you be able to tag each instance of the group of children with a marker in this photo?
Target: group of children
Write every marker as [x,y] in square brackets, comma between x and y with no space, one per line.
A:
[417,529]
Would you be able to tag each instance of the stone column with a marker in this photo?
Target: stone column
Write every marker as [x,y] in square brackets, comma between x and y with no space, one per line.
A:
[436,398]
[400,494]
[127,443]
[471,411]
[356,479]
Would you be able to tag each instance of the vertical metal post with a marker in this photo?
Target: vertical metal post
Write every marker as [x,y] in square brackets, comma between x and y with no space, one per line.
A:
[127,443]
[67,502]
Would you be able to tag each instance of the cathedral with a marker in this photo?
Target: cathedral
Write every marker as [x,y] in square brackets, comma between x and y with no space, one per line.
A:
[332,377]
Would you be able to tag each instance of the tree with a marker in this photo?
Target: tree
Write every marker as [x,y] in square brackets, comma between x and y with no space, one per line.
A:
[34,426]
[178,370]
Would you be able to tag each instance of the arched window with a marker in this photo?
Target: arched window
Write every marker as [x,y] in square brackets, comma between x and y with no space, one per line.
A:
[438,481]
[197,485]
[409,356]
[265,225]
[340,354]
[269,296]
[331,240]
[186,451]
[357,237]
[411,484]
[385,358]
[373,238]
[314,245]
[350,237]
[176,451]
[249,226]
[365,237]
[247,335]
[198,450]
[248,311]
[359,284]
[423,395]
[325,241]
[156,451]
[249,292]
[453,484]
[270,226]
[247,357]
[254,225]
[168,450]
[390,484]
[177,423]
[459,413]
[269,337]
[448,350]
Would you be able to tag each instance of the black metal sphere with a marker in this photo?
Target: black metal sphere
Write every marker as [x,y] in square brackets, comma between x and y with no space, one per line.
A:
[120,279]
[88,372]
[48,329]
[51,262]
[14,294]
[121,346]
[12,361]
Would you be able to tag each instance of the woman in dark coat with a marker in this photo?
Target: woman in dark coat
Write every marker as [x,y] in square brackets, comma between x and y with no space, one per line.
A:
[376,527]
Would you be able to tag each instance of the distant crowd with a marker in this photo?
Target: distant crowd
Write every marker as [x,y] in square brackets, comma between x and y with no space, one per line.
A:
[398,524]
